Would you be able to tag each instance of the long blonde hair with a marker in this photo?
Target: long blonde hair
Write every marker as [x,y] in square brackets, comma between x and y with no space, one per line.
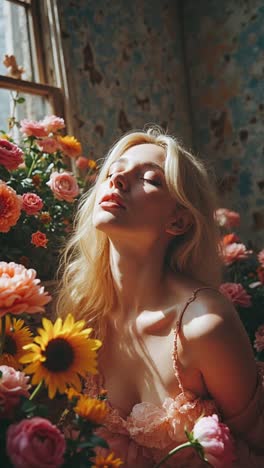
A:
[86,288]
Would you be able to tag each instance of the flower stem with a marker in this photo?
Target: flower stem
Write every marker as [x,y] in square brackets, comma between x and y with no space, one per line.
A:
[2,336]
[36,390]
[172,452]
[32,166]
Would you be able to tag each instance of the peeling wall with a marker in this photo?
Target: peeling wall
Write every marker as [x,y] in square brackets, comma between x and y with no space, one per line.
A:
[125,67]
[224,43]
[134,63]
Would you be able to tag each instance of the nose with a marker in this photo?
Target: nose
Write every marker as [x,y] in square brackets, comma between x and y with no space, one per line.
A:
[119,181]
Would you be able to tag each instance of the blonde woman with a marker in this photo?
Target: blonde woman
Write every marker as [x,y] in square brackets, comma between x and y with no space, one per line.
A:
[142,269]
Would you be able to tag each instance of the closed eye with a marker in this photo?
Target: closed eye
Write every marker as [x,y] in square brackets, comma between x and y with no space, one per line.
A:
[156,183]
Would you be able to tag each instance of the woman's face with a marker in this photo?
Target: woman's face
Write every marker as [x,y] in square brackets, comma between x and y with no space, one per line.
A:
[134,199]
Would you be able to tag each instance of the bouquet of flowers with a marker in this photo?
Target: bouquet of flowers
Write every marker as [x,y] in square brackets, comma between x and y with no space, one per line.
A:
[39,192]
[244,278]
[33,431]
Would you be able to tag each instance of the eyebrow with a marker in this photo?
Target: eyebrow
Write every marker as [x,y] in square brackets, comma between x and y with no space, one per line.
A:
[151,165]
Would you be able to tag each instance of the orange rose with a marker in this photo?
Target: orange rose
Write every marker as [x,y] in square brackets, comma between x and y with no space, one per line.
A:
[39,239]
[230,238]
[10,207]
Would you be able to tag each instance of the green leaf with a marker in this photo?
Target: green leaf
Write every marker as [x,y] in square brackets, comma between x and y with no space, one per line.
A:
[20,100]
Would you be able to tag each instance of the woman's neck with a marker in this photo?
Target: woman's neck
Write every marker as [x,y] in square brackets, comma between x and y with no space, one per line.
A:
[139,277]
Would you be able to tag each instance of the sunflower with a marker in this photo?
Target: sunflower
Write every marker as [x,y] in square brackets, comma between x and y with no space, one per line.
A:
[107,462]
[16,336]
[70,146]
[91,409]
[60,354]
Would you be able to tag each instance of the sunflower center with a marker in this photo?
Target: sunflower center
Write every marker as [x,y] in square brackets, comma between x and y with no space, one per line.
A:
[59,355]
[10,346]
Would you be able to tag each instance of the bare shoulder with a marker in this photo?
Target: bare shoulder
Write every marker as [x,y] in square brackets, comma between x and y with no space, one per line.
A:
[209,314]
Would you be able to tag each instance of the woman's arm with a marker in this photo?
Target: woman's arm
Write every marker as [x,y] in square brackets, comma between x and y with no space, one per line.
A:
[221,350]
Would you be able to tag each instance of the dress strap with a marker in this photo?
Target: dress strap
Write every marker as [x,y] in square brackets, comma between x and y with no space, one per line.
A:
[177,330]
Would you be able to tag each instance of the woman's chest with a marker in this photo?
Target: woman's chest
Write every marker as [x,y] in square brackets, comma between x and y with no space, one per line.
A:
[139,368]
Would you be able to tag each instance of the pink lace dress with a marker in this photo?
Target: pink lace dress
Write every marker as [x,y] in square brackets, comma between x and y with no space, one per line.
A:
[150,431]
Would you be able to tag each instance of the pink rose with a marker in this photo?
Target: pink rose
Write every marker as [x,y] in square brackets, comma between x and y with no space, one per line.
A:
[216,441]
[261,257]
[64,186]
[31,203]
[259,338]
[227,218]
[52,123]
[33,128]
[10,155]
[13,385]
[82,162]
[35,443]
[49,145]
[236,294]
[233,252]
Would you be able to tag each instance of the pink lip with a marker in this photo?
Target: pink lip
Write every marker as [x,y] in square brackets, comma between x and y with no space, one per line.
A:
[112,199]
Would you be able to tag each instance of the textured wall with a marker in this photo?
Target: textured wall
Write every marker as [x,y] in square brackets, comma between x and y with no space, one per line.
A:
[125,67]
[224,43]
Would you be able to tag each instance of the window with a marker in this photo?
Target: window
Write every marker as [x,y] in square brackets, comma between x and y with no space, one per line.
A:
[29,30]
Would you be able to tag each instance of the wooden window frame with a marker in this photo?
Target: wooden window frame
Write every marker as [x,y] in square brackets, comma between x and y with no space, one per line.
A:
[54,94]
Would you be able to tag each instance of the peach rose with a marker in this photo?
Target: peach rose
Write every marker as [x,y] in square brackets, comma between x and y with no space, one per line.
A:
[64,186]
[35,443]
[31,203]
[233,252]
[227,218]
[33,128]
[236,294]
[49,145]
[13,385]
[39,239]
[259,339]
[10,207]
[52,123]
[10,155]
[216,441]
[261,257]
[20,290]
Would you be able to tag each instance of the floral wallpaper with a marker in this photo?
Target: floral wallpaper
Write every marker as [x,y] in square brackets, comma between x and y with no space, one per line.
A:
[224,44]
[195,68]
[125,67]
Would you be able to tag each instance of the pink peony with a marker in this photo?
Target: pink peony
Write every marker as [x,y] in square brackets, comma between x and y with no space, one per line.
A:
[10,155]
[233,252]
[52,123]
[35,443]
[64,186]
[13,385]
[216,441]
[49,145]
[259,338]
[20,290]
[236,294]
[33,128]
[261,257]
[31,203]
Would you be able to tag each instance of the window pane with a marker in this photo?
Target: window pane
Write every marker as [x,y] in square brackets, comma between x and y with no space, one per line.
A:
[34,108]
[15,37]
